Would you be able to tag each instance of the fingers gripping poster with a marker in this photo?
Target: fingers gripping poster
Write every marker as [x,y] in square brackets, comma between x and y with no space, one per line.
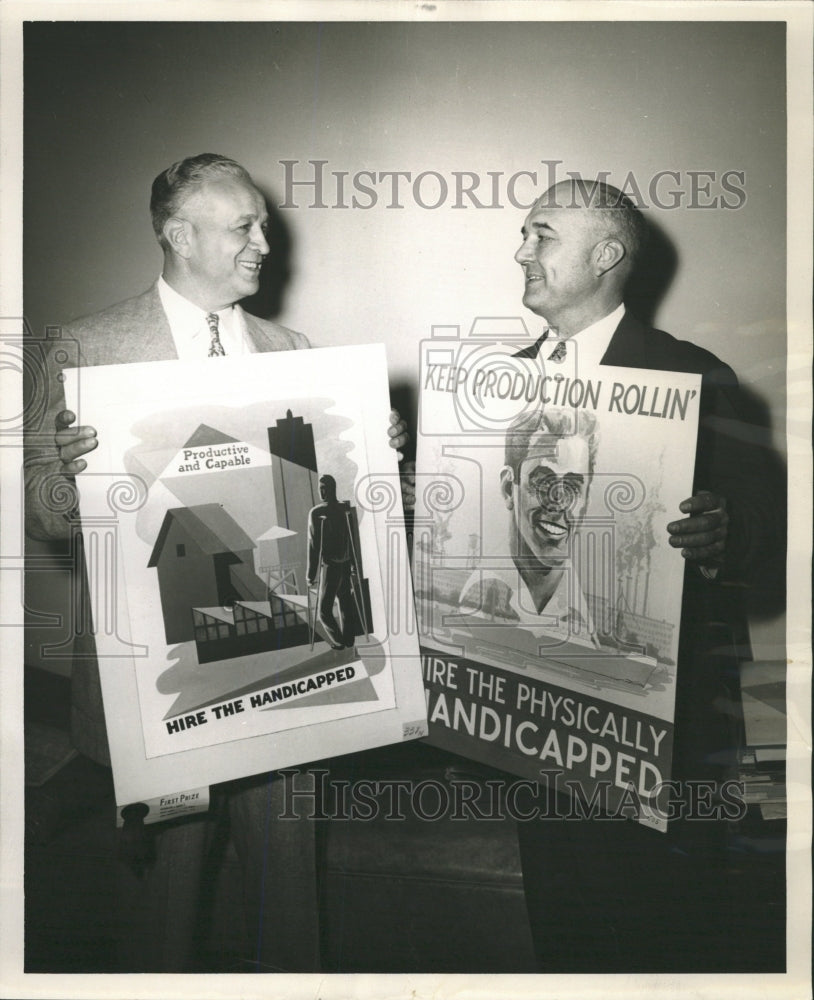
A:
[547,592]
[235,518]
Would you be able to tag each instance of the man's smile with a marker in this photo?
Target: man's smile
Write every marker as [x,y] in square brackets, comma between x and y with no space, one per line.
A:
[550,529]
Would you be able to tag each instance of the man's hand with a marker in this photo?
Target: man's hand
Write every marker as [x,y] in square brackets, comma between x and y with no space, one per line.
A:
[399,437]
[408,487]
[397,432]
[701,536]
[73,442]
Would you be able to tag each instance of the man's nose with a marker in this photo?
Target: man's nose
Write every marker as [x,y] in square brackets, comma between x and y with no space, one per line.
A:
[523,254]
[558,495]
[259,240]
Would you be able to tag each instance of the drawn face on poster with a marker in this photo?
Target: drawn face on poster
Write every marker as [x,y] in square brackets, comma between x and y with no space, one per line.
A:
[545,483]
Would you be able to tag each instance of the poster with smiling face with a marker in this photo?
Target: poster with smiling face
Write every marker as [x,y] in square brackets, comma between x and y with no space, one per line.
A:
[235,517]
[548,595]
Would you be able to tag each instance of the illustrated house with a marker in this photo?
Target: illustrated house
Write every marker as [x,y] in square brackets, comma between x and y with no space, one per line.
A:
[204,559]
[210,592]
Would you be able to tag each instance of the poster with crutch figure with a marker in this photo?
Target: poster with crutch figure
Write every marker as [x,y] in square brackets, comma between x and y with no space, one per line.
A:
[218,549]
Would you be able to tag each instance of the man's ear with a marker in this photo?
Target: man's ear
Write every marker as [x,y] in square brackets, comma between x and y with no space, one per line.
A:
[506,486]
[177,234]
[608,253]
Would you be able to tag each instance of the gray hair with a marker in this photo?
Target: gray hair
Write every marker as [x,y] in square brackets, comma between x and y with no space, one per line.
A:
[177,182]
[557,424]
[619,215]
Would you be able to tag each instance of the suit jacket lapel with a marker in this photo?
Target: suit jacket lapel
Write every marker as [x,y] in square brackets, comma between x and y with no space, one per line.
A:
[157,339]
[135,330]
[254,333]
[264,336]
[629,346]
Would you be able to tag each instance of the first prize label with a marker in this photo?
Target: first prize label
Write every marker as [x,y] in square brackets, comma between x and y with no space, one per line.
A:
[194,800]
[171,805]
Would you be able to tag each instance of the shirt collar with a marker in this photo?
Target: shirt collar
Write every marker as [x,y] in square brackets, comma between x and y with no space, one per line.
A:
[188,324]
[180,309]
[592,341]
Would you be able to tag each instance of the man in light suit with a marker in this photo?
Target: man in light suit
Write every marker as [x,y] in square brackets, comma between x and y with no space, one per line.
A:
[613,896]
[210,221]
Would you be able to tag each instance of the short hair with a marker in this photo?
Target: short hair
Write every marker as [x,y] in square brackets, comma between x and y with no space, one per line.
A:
[620,215]
[555,423]
[180,180]
[328,479]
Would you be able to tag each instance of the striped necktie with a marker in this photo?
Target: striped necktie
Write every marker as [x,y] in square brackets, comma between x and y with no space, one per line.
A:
[558,354]
[215,346]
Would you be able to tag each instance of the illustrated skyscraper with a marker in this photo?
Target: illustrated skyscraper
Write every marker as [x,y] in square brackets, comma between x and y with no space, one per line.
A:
[296,491]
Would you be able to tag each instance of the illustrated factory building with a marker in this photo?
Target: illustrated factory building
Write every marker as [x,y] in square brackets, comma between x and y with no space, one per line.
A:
[210,592]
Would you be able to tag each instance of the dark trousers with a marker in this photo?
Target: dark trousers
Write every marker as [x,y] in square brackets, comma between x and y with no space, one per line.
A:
[607,896]
[163,914]
[335,583]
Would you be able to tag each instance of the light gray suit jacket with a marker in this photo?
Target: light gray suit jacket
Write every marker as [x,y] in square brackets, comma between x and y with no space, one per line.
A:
[131,331]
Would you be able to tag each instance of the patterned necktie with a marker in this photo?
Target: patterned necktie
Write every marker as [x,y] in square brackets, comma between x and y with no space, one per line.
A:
[215,346]
[558,354]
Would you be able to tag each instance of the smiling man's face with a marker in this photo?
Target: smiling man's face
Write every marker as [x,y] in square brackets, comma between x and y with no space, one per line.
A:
[557,257]
[548,498]
[226,219]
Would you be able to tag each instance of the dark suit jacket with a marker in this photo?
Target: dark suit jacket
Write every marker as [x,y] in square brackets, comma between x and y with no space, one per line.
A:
[131,331]
[729,458]
[730,462]
[661,902]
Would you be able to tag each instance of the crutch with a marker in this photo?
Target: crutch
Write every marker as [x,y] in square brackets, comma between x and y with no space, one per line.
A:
[356,588]
[312,612]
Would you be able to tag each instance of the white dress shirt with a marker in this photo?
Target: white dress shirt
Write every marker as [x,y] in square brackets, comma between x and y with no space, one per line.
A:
[584,350]
[190,331]
[592,342]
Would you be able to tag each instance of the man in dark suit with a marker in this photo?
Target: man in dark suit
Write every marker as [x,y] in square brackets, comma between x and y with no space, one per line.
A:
[210,222]
[613,896]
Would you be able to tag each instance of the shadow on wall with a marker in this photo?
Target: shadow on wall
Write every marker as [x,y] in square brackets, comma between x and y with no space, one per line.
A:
[653,275]
[646,290]
[268,302]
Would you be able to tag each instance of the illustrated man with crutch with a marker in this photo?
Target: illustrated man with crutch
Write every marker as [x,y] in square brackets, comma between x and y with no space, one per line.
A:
[333,566]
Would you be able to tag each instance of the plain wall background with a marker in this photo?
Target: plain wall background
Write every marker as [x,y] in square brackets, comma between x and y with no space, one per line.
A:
[108,105]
